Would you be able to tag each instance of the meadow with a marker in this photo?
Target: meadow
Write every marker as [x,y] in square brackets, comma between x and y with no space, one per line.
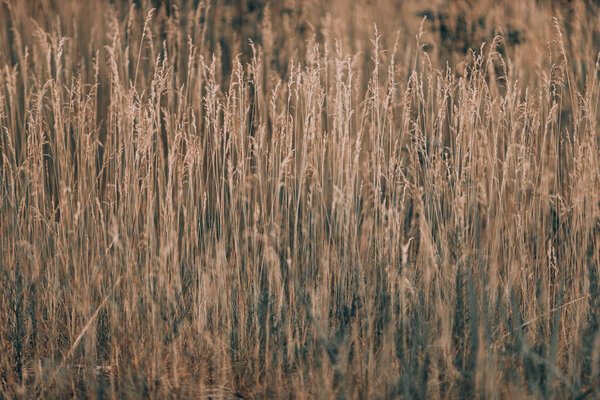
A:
[299,199]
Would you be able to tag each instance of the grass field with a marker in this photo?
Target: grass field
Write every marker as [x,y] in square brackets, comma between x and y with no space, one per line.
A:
[299,199]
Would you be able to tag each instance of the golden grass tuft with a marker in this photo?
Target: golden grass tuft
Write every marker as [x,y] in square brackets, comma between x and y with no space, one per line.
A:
[344,199]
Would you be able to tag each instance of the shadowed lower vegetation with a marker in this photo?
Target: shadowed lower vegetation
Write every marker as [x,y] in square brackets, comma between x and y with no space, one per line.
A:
[299,199]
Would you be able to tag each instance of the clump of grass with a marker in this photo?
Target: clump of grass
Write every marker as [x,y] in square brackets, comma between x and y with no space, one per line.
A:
[264,200]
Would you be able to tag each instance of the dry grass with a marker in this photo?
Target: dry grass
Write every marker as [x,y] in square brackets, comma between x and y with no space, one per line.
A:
[345,199]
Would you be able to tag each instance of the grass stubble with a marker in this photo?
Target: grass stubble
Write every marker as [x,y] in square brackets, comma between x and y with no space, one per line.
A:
[254,200]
